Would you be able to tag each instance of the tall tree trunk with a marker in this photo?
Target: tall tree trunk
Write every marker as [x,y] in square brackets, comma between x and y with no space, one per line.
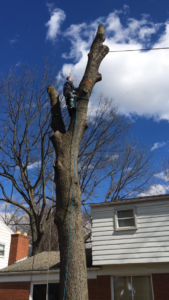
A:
[64,144]
[37,235]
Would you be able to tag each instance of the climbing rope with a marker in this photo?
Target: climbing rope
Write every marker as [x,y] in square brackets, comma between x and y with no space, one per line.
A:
[78,97]
[50,233]
[71,219]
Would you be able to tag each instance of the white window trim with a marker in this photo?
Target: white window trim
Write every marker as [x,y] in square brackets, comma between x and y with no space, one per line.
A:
[112,284]
[117,228]
[37,282]
[3,256]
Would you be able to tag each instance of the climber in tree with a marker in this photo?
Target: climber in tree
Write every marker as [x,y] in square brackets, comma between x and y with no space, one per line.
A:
[68,89]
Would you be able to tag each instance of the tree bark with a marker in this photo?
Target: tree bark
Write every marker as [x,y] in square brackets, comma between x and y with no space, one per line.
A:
[64,144]
[37,233]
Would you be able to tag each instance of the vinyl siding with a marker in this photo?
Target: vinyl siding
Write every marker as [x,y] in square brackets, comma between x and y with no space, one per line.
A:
[149,243]
[5,239]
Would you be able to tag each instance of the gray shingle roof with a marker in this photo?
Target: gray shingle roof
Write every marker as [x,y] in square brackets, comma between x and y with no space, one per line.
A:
[38,262]
[42,262]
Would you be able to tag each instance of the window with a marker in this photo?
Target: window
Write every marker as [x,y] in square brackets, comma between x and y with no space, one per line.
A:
[39,291]
[2,250]
[132,288]
[125,219]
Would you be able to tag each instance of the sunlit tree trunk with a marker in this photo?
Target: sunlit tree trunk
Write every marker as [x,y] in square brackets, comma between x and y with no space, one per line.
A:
[64,144]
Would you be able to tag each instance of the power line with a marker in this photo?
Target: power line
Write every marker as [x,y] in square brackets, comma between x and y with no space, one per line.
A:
[150,49]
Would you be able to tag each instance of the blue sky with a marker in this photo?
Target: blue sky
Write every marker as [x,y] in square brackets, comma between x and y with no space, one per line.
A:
[63,31]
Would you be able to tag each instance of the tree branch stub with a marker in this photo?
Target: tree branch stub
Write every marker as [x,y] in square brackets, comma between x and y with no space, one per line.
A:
[57,121]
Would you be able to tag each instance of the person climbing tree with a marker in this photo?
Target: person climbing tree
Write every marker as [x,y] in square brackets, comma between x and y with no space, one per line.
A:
[68,89]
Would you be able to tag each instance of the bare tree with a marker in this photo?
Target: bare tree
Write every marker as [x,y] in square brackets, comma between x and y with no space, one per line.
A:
[104,158]
[131,172]
[19,221]
[14,218]
[26,154]
[107,157]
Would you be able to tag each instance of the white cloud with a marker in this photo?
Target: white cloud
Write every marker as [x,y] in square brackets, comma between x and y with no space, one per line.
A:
[158,145]
[138,81]
[57,16]
[13,41]
[36,164]
[112,157]
[163,175]
[155,189]
[18,64]
[2,206]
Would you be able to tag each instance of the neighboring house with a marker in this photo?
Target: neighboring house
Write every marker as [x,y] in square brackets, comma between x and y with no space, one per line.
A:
[130,256]
[130,241]
[5,240]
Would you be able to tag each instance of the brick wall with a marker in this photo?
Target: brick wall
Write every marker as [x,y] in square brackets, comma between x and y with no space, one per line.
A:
[19,247]
[100,288]
[14,290]
[161,286]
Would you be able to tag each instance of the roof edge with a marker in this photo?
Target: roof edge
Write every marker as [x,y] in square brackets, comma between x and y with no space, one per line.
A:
[132,200]
[40,272]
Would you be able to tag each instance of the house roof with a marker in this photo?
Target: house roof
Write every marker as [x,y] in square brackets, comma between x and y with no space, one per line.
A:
[41,262]
[132,200]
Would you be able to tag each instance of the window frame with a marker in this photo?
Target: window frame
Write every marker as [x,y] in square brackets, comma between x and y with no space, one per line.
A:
[112,284]
[2,256]
[117,228]
[40,282]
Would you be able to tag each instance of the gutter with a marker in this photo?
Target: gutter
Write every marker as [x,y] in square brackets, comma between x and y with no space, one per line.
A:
[131,200]
[40,272]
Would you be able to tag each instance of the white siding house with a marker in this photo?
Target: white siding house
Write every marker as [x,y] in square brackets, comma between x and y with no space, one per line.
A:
[131,231]
[5,241]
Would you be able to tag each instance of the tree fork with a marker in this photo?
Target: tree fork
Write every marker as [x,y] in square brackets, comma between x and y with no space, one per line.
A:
[64,145]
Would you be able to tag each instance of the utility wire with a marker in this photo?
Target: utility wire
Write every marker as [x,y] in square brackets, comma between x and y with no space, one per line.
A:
[150,49]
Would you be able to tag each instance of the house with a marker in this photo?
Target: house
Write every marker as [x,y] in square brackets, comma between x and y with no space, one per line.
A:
[5,240]
[130,242]
[27,278]
[130,256]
